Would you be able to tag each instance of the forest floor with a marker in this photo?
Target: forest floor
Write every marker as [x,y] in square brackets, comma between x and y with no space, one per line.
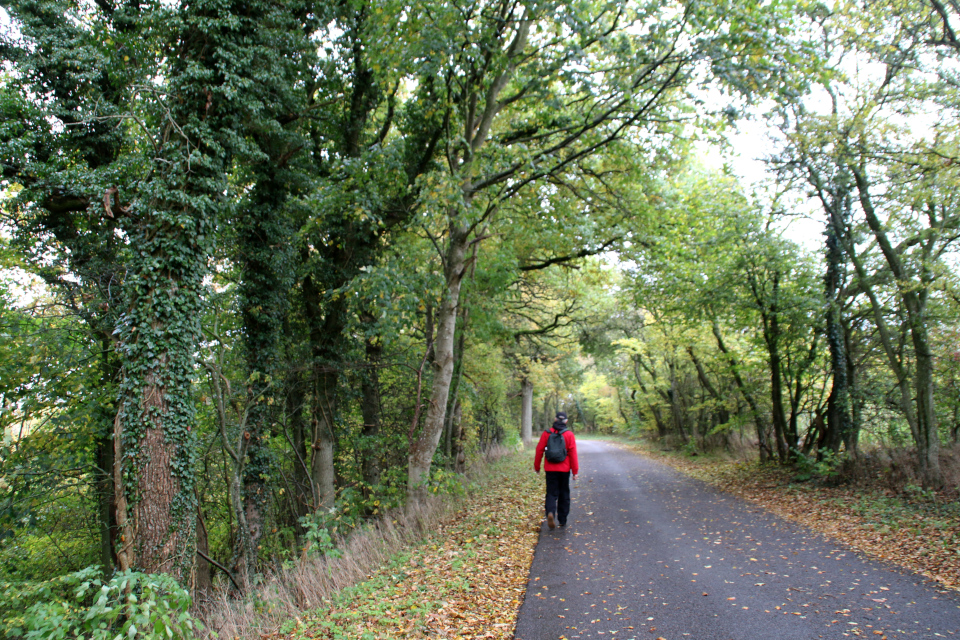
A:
[917,530]
[468,577]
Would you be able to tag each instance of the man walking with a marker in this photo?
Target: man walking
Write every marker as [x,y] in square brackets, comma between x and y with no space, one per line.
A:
[558,448]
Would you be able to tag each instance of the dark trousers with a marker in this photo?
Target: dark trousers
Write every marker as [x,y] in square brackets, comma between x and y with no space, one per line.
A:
[558,494]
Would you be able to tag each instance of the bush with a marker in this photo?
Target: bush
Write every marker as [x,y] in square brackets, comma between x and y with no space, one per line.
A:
[828,467]
[83,604]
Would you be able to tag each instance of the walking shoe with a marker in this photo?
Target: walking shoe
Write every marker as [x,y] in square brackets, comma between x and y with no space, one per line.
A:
[550,521]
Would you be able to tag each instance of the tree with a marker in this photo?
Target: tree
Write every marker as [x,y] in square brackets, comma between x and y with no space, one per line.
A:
[887,180]
[516,120]
[717,276]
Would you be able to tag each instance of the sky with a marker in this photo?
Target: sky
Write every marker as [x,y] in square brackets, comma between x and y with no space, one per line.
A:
[749,146]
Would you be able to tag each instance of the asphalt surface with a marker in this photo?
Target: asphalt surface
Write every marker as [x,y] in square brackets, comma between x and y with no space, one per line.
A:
[649,553]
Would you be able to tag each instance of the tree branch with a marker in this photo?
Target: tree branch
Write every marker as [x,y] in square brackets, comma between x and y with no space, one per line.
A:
[569,258]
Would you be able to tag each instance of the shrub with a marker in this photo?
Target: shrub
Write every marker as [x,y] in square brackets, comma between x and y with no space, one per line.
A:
[85,605]
[828,468]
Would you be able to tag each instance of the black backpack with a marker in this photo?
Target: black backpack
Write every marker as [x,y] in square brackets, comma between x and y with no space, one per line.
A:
[556,450]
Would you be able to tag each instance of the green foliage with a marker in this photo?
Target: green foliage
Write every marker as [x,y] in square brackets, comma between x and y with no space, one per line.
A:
[271,188]
[828,466]
[601,404]
[317,533]
[85,604]
[446,482]
[691,449]
[52,407]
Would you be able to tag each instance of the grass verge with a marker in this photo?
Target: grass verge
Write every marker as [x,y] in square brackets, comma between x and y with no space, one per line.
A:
[466,578]
[919,531]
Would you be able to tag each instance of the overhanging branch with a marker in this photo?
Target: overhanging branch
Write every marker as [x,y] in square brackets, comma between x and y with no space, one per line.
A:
[569,258]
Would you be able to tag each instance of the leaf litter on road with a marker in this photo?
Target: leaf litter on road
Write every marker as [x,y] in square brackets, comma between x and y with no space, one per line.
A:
[915,535]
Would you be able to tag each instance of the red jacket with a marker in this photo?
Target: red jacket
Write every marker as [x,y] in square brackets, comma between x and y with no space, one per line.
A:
[569,463]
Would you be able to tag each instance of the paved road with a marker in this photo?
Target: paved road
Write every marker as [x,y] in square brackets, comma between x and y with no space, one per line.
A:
[649,553]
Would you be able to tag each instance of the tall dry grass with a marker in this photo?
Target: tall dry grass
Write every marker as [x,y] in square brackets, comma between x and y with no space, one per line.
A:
[285,593]
[897,469]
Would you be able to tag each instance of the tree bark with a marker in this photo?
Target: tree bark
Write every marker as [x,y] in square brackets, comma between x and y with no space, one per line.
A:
[265,256]
[526,411]
[765,452]
[914,295]
[449,427]
[723,415]
[676,406]
[322,473]
[162,537]
[370,410]
[171,230]
[654,409]
[423,448]
[838,403]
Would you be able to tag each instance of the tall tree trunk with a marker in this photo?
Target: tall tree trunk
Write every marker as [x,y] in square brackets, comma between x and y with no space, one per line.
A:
[323,419]
[676,406]
[449,427]
[765,452]
[478,123]
[654,409]
[297,426]
[171,235]
[265,256]
[914,294]
[776,387]
[526,411]
[423,448]
[156,415]
[838,403]
[370,410]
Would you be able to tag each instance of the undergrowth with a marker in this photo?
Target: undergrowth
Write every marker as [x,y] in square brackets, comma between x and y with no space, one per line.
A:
[380,574]
[85,604]
[464,579]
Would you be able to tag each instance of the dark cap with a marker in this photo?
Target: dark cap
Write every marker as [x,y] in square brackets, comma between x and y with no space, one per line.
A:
[561,415]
